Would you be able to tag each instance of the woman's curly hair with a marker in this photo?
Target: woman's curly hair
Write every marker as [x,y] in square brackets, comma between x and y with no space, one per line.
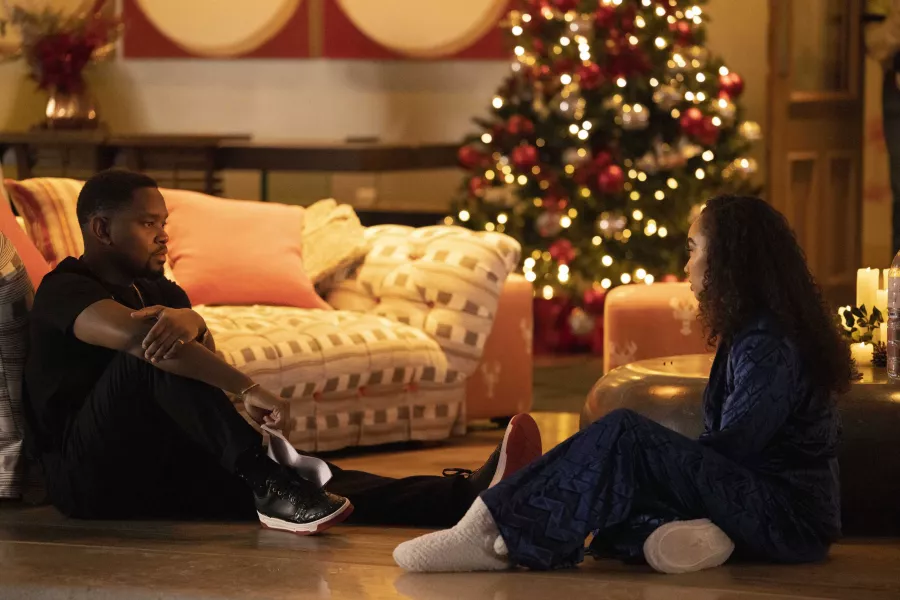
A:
[755,265]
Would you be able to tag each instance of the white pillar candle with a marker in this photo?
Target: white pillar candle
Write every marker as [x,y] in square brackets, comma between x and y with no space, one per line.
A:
[866,286]
[881,302]
[862,354]
[882,332]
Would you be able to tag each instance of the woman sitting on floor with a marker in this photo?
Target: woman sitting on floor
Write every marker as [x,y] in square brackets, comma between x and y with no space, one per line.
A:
[762,478]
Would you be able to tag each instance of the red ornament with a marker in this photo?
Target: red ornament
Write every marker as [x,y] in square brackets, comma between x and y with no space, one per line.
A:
[519,126]
[593,300]
[590,76]
[525,156]
[731,84]
[605,17]
[627,21]
[692,121]
[684,33]
[477,185]
[707,133]
[611,179]
[469,157]
[602,159]
[563,65]
[562,251]
[565,5]
[554,203]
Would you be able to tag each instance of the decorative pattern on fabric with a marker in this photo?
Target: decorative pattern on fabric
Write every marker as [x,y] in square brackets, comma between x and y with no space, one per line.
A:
[48,207]
[445,281]
[333,240]
[352,378]
[16,296]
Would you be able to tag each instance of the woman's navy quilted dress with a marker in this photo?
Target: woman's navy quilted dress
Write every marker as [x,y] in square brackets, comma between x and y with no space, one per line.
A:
[764,470]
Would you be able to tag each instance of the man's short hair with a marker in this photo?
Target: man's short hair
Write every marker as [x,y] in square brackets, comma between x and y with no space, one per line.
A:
[109,191]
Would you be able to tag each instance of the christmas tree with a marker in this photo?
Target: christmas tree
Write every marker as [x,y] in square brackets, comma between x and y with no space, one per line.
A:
[612,129]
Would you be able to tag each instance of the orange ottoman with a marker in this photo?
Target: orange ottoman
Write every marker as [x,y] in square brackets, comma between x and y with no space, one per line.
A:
[650,321]
[501,386]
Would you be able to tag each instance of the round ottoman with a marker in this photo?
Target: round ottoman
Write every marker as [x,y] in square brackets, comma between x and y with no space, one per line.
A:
[670,391]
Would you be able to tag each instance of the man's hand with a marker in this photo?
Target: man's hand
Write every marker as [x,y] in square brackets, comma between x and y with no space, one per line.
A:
[174,328]
[267,409]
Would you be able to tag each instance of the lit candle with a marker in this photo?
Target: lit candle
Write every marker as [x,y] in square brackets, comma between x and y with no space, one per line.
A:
[881,302]
[866,286]
[882,331]
[862,354]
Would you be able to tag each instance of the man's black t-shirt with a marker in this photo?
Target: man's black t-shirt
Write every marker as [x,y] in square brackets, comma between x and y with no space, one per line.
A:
[61,370]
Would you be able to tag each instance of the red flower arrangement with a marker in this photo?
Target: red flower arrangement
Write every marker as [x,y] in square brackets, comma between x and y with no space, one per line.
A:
[58,46]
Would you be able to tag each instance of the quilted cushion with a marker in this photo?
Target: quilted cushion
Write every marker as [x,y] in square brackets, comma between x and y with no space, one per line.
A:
[352,378]
[16,296]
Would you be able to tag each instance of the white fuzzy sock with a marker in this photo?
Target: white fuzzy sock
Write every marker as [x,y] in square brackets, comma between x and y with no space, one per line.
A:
[473,544]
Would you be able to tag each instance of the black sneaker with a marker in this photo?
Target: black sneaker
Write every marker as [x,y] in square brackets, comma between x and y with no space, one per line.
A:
[287,502]
[521,446]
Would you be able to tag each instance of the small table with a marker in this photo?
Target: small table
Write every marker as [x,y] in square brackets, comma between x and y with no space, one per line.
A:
[670,391]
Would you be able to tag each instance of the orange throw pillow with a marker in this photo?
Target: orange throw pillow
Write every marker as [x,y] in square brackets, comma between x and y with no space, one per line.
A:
[235,252]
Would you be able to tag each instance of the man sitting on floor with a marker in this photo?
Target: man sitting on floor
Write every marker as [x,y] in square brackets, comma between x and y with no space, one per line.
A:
[126,407]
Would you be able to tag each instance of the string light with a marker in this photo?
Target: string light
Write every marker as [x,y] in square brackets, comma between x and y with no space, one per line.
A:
[489,226]
[573,213]
[700,173]
[639,20]
[517,30]
[717,121]
[519,50]
[642,176]
[626,278]
[596,240]
[586,126]
[708,155]
[565,222]
[487,138]
[701,77]
[660,43]
[660,195]
[654,82]
[660,11]
[607,261]
[522,180]
[651,227]
[723,70]
[502,219]
[526,18]
[663,232]
[633,173]
[573,129]
[530,276]
[672,183]
[464,216]
[562,277]
[640,273]
[606,284]
[536,170]
[565,79]
[633,40]
[489,175]
[676,113]
[583,135]
[585,55]
[626,234]
[536,254]
[649,279]
[621,82]
[689,96]
[569,169]
[565,41]
[548,292]
[529,263]
[701,97]
[448,221]
[510,178]
[635,195]
[638,215]
[585,192]
[498,102]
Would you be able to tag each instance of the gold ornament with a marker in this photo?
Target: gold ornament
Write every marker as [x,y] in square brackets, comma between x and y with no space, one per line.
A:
[750,131]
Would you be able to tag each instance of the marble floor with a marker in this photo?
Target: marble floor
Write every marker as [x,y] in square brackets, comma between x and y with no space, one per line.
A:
[44,556]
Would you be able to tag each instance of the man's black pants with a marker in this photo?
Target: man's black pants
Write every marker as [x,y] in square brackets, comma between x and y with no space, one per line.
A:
[148,444]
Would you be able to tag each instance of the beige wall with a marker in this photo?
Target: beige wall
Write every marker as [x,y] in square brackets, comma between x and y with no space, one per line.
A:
[331,100]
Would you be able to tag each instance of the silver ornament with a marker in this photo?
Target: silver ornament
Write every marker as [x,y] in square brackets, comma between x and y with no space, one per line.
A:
[634,117]
[667,97]
[750,131]
[581,323]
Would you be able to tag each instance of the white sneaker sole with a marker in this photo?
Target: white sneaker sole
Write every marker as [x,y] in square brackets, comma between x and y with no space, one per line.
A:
[687,546]
[308,528]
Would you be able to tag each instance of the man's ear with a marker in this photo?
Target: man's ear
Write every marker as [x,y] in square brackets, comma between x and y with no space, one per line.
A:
[99,228]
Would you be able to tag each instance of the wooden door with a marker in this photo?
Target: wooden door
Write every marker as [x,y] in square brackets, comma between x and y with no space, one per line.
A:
[814,148]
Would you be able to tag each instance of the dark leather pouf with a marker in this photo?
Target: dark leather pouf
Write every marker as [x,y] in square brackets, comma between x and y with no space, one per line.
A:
[670,391]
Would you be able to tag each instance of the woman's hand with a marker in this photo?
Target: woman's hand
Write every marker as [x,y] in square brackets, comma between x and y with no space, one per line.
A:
[267,409]
[174,328]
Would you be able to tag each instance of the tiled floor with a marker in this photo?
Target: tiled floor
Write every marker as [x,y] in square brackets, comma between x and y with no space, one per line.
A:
[45,556]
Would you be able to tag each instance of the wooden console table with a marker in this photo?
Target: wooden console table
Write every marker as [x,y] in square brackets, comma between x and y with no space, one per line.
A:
[196,161]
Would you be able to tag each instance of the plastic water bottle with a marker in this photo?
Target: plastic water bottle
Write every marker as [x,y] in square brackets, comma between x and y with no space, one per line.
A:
[893,321]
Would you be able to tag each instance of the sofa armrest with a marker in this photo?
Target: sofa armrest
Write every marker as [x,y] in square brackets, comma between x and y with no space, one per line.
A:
[443,280]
